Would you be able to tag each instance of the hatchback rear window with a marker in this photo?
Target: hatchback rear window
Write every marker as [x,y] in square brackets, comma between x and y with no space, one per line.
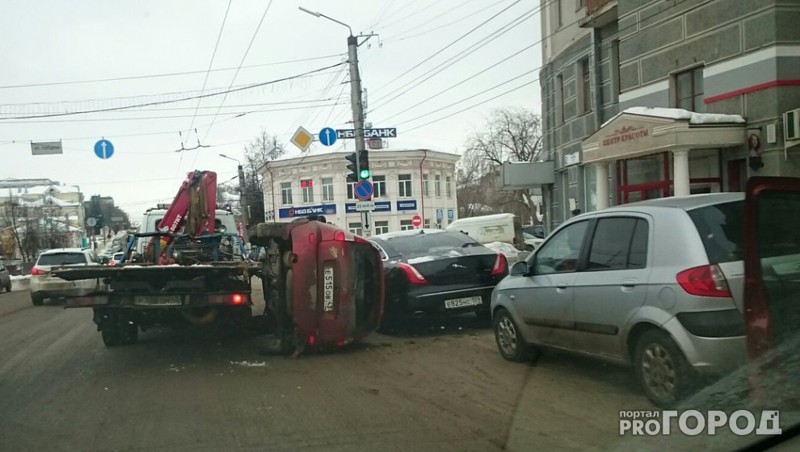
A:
[61,259]
[720,228]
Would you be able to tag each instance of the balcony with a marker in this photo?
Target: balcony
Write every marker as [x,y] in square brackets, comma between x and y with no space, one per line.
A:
[599,13]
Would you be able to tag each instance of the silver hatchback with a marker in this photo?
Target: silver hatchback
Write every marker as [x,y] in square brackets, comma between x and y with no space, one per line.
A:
[656,284]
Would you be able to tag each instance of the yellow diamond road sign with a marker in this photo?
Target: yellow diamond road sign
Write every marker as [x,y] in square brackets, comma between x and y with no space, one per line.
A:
[302,139]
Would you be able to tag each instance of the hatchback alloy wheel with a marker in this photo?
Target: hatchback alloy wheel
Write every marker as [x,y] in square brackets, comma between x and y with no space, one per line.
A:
[509,339]
[663,371]
[658,370]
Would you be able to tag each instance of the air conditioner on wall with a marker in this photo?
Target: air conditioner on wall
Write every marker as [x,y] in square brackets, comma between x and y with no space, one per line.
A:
[791,125]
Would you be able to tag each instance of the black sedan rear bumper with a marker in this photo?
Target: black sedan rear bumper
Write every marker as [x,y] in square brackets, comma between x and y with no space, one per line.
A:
[441,300]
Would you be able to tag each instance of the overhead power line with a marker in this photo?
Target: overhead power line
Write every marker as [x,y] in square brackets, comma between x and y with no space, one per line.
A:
[211,63]
[172,101]
[169,74]
[244,57]
[424,77]
[452,43]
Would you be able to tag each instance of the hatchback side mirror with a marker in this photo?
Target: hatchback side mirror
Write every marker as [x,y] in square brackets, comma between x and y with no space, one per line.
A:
[519,269]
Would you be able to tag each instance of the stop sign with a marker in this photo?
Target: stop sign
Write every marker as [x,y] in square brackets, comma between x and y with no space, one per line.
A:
[416,221]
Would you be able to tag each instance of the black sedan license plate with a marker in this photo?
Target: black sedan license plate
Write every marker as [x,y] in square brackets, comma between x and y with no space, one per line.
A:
[462,302]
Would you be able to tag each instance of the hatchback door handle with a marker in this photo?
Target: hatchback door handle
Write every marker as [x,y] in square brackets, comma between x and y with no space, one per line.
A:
[561,286]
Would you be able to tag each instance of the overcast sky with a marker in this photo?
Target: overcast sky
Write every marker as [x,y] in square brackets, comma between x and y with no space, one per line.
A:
[48,43]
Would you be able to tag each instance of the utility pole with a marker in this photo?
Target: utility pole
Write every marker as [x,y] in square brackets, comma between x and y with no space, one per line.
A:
[356,104]
[243,198]
[358,116]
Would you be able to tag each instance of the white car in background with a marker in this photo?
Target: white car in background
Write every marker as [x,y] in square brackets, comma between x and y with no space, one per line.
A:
[43,285]
[531,242]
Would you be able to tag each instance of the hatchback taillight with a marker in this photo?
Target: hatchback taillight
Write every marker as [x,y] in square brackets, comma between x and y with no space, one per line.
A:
[499,265]
[38,272]
[705,281]
[413,275]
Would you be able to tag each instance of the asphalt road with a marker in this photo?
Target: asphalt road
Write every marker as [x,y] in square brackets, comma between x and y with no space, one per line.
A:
[442,386]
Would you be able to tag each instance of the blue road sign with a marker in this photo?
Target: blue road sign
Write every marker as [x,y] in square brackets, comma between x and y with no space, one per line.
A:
[327,136]
[104,149]
[364,190]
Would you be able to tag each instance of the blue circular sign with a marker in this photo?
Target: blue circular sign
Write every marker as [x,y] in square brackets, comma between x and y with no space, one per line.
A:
[327,136]
[104,149]
[364,190]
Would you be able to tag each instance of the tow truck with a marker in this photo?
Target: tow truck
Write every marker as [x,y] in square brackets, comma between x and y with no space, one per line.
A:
[323,286]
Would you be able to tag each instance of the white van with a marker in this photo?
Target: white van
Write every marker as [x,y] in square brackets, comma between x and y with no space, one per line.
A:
[501,227]
[153,216]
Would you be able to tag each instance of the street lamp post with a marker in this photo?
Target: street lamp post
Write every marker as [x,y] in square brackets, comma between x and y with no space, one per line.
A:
[355,99]
[243,199]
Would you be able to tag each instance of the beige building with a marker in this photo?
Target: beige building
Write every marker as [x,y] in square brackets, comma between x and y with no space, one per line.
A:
[407,183]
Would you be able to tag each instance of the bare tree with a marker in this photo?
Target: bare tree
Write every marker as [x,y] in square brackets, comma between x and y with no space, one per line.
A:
[510,135]
[262,149]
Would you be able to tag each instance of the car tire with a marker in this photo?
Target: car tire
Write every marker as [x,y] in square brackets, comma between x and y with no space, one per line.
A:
[510,343]
[37,299]
[112,336]
[662,369]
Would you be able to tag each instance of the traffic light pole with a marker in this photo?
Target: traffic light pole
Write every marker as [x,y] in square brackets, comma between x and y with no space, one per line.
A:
[358,115]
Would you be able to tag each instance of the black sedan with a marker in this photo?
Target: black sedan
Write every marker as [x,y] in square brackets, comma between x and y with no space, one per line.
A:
[436,272]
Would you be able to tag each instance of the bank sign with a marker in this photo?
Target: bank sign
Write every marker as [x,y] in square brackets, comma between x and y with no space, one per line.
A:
[305,211]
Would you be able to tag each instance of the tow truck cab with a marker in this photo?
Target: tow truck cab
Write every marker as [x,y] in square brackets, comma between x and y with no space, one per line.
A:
[322,284]
[151,218]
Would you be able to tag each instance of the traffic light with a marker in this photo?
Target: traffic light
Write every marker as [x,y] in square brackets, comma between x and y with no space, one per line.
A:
[352,168]
[363,163]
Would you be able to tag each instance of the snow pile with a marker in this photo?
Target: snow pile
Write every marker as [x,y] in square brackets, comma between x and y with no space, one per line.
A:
[503,248]
[20,277]
[679,113]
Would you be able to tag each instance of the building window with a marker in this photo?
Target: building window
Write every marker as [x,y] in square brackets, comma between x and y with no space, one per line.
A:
[355,228]
[448,188]
[437,185]
[308,190]
[689,90]
[404,185]
[379,182]
[585,87]
[427,223]
[405,225]
[557,12]
[286,193]
[615,86]
[560,99]
[579,4]
[327,189]
[351,190]
[381,227]
[426,190]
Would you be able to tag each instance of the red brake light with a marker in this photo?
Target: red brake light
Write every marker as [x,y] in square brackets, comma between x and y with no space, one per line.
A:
[338,236]
[312,340]
[499,265]
[413,275]
[237,299]
[705,281]
[37,272]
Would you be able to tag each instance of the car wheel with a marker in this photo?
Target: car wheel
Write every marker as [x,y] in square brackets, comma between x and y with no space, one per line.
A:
[37,299]
[112,336]
[509,338]
[661,368]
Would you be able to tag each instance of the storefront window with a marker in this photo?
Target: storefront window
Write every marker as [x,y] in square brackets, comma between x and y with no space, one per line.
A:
[590,187]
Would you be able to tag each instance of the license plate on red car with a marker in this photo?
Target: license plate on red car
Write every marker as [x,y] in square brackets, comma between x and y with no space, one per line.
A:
[462,302]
